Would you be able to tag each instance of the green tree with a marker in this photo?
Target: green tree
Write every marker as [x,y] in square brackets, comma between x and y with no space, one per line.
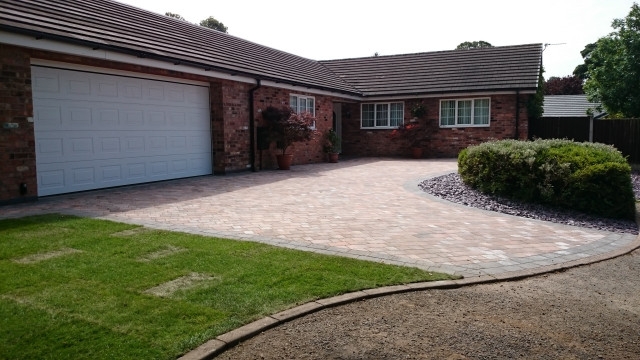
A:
[581,70]
[613,72]
[214,24]
[175,16]
[473,45]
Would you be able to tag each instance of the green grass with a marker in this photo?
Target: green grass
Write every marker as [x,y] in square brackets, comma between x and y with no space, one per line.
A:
[92,304]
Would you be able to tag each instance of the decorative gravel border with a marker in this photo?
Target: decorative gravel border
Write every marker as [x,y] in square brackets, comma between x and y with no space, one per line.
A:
[450,187]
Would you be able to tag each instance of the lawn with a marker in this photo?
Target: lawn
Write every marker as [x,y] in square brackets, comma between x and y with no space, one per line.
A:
[82,288]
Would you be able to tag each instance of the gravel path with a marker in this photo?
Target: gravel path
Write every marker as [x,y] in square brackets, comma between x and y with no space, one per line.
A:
[590,312]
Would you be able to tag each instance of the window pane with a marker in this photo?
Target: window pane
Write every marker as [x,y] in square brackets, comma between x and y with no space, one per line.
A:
[397,114]
[302,104]
[481,111]
[368,115]
[447,113]
[311,106]
[464,112]
[293,103]
[382,114]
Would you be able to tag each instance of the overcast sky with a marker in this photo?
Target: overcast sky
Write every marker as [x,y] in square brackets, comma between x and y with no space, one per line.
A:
[335,29]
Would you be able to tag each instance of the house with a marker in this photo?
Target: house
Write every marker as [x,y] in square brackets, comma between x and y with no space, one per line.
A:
[569,107]
[95,94]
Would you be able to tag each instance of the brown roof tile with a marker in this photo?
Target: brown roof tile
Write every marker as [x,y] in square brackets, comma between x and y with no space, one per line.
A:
[494,69]
[118,27]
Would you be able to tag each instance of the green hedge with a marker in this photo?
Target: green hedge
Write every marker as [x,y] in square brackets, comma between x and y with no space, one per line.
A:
[593,178]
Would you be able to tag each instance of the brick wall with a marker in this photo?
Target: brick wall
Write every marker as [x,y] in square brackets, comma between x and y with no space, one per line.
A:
[17,146]
[439,142]
[303,152]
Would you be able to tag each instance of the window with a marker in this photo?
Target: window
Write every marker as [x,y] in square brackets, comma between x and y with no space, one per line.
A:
[382,115]
[464,112]
[301,103]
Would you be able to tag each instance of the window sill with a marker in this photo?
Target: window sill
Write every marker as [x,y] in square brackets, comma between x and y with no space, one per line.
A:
[464,126]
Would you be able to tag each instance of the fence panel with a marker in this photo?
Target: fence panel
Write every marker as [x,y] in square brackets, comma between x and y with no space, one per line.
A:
[576,129]
[624,134]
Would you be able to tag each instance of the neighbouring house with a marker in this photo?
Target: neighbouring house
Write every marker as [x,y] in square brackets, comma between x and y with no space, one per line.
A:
[569,107]
[96,94]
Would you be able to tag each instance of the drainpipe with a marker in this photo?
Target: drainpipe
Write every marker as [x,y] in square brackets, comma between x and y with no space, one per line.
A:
[517,135]
[252,127]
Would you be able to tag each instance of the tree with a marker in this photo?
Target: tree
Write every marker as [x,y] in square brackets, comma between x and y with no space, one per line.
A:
[175,16]
[568,85]
[613,72]
[473,45]
[214,24]
[581,70]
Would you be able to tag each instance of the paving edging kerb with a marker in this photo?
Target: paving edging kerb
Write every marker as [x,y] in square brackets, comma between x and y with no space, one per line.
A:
[216,346]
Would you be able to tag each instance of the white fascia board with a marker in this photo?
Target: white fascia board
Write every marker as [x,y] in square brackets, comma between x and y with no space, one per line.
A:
[445,95]
[303,89]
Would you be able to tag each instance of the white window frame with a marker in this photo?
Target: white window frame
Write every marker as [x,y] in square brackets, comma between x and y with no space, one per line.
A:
[375,115]
[297,109]
[456,115]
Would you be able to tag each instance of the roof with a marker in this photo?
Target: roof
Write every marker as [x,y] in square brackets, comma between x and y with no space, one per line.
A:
[496,68]
[568,106]
[109,25]
[115,26]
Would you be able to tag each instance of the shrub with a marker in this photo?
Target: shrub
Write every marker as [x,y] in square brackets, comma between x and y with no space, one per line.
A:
[555,172]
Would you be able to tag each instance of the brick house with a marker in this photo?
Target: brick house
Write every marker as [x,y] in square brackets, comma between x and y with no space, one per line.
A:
[95,94]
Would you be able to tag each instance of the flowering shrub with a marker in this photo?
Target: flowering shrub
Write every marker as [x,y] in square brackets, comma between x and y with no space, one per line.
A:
[288,127]
[412,134]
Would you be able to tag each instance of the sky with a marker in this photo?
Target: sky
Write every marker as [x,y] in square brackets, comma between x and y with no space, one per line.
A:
[338,29]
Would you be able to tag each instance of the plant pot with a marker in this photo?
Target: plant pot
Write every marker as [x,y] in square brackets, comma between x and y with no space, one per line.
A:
[333,157]
[284,161]
[416,152]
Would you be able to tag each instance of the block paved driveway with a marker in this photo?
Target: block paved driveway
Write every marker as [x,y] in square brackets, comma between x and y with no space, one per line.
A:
[364,208]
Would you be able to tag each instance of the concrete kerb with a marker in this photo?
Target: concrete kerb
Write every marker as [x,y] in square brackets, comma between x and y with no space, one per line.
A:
[216,346]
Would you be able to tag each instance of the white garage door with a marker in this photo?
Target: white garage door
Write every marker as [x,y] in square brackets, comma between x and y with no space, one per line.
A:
[96,130]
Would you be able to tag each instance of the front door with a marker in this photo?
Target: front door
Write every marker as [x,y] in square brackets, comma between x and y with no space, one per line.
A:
[337,120]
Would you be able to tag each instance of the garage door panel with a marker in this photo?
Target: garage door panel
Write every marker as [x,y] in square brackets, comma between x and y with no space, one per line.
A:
[95,130]
[59,146]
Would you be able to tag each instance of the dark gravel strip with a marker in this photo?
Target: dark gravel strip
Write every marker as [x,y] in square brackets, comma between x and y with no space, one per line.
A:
[450,187]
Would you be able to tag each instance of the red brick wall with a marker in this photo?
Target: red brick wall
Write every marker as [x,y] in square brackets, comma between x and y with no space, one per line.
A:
[439,142]
[17,146]
[303,152]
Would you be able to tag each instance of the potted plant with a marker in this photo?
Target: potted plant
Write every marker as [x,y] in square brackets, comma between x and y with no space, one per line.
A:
[418,110]
[287,127]
[413,135]
[332,145]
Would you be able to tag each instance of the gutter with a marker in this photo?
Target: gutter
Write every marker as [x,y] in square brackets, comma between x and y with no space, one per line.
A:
[517,135]
[252,126]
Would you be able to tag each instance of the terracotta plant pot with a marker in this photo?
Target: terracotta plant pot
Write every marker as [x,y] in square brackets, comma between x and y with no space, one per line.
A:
[416,152]
[284,161]
[333,157]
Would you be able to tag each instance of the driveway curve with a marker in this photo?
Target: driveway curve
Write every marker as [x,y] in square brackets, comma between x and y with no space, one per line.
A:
[364,208]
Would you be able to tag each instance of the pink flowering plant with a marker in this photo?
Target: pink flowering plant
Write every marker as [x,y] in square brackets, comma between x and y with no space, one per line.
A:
[288,127]
[411,133]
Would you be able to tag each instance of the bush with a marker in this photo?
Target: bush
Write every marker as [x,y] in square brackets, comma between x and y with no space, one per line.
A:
[593,178]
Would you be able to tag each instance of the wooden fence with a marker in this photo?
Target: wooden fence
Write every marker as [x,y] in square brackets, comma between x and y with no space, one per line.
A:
[624,134]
